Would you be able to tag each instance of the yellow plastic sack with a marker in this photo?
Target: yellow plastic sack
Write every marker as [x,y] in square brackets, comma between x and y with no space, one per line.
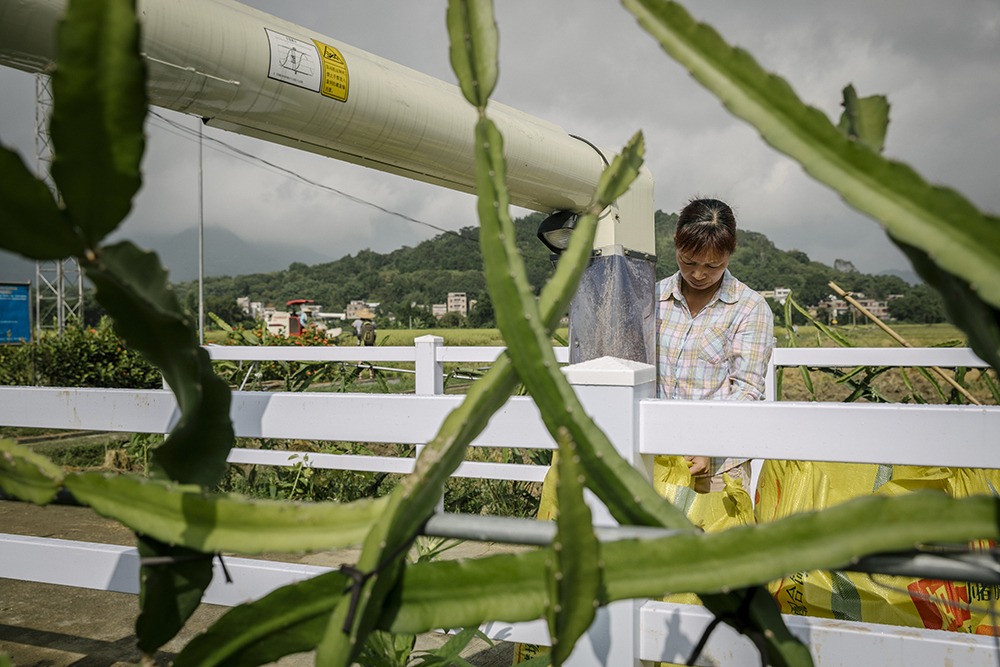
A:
[709,511]
[672,480]
[787,487]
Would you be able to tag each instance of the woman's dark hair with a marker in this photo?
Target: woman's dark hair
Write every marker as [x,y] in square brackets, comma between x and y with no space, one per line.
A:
[706,225]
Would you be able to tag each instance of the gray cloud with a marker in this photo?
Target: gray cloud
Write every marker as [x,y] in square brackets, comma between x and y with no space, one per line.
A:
[589,68]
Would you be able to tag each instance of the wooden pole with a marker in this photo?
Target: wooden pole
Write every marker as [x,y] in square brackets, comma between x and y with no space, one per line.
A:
[902,341]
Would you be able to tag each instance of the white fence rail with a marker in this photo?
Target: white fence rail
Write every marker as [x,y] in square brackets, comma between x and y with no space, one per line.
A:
[619,395]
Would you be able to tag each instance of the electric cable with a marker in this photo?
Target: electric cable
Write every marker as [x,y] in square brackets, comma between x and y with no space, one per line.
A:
[250,158]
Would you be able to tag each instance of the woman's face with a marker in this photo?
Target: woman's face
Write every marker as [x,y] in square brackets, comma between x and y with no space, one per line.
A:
[702,271]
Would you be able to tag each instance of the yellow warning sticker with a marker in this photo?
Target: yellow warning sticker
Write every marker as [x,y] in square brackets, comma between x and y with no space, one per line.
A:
[336,81]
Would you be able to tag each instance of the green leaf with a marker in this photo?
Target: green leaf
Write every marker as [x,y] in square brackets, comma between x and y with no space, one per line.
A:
[865,119]
[933,381]
[414,499]
[512,587]
[186,515]
[99,106]
[963,240]
[384,649]
[620,174]
[807,380]
[577,570]
[629,496]
[28,475]
[831,333]
[965,308]
[169,592]
[449,653]
[33,224]
[289,620]
[474,43]
[133,287]
[992,385]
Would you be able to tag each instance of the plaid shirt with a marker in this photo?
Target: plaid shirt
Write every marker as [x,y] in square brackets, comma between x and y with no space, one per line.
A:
[719,354]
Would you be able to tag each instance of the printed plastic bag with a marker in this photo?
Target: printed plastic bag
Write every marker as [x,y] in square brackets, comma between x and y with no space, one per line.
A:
[787,487]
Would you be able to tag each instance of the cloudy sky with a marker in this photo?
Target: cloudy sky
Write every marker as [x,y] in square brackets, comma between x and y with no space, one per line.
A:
[587,66]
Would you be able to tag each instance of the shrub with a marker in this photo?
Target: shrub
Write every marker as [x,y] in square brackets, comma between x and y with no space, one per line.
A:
[79,357]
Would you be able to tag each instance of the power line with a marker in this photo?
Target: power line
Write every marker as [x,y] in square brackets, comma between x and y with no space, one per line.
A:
[250,158]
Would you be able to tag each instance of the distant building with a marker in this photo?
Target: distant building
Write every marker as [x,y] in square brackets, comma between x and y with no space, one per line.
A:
[356,306]
[457,303]
[838,311]
[438,310]
[254,309]
[779,294]
[879,309]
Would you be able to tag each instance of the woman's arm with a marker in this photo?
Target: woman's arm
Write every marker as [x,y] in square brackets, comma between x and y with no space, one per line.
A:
[751,353]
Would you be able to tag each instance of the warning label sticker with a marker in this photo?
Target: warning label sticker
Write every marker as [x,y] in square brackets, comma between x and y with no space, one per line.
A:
[293,61]
[313,65]
[336,81]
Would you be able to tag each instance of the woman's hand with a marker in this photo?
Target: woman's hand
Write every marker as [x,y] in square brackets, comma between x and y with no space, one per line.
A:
[699,465]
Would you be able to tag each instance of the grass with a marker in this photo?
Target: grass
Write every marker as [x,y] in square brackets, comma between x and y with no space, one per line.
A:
[897,385]
[457,337]
[869,335]
[405,337]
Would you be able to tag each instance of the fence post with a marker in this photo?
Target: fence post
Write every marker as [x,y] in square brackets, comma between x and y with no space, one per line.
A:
[610,390]
[429,371]
[429,378]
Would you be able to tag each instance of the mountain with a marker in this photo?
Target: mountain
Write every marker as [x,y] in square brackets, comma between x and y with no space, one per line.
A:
[226,254]
[16,269]
[909,277]
[452,262]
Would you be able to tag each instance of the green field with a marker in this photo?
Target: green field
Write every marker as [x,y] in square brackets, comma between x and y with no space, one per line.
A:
[862,335]
[459,337]
[869,335]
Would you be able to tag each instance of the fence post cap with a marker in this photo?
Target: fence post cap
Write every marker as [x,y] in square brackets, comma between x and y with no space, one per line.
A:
[610,371]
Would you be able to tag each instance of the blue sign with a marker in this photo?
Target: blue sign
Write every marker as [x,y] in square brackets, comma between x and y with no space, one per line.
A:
[15,313]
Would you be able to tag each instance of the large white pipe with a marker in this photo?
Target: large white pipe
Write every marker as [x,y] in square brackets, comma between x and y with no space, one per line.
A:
[249,72]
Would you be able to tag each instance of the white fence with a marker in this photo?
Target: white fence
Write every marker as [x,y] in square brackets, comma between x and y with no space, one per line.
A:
[619,395]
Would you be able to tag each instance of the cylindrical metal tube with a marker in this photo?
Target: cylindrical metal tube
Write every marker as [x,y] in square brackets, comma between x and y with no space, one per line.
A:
[247,71]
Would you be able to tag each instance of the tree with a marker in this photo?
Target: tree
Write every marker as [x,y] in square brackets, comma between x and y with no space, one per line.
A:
[922,305]
[452,320]
[481,316]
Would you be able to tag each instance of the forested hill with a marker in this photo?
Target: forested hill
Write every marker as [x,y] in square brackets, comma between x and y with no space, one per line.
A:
[452,263]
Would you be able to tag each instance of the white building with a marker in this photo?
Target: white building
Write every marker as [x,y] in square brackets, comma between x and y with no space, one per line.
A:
[779,294]
[457,303]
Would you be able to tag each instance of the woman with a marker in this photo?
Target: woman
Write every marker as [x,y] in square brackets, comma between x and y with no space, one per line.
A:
[714,334]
